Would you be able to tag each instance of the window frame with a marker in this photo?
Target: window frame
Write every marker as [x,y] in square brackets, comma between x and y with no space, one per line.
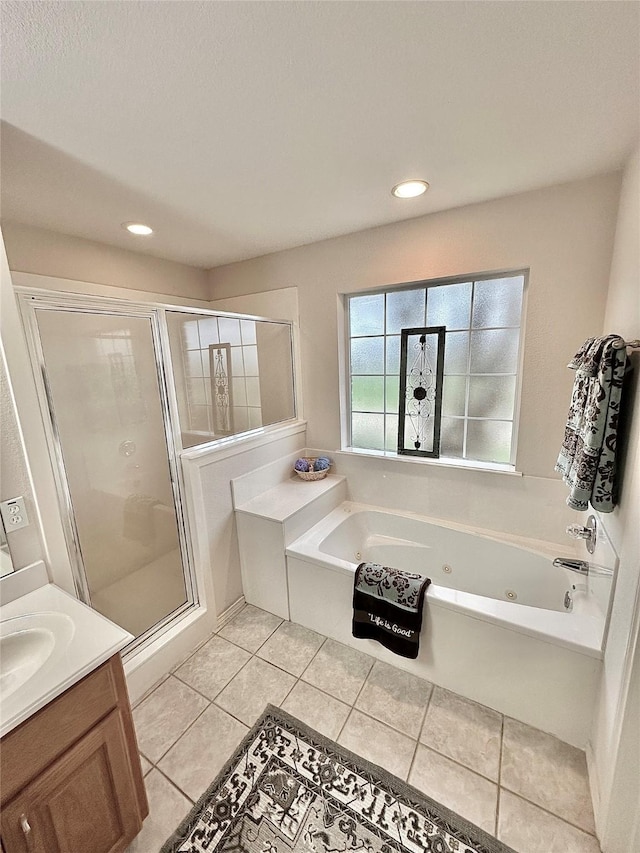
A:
[345,368]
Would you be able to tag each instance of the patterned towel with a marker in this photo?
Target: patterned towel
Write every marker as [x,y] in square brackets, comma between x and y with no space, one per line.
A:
[587,459]
[387,607]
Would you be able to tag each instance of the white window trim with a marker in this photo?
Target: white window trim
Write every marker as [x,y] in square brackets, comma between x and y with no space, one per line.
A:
[344,367]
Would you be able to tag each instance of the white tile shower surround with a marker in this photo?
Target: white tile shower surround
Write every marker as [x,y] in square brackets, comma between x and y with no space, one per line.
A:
[520,784]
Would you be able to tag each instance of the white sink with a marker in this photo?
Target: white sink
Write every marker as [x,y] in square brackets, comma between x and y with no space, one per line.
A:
[27,643]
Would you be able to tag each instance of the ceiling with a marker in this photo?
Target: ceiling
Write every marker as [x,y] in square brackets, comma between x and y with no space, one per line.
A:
[236,129]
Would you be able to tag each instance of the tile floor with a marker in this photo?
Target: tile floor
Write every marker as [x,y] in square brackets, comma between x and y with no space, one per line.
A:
[520,784]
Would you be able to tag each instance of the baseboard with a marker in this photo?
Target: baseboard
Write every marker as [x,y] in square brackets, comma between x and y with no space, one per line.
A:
[228,614]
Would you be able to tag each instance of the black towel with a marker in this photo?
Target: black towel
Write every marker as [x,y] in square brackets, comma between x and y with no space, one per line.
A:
[387,607]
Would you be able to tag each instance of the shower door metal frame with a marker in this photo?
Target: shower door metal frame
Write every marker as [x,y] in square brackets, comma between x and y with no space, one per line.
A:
[31,301]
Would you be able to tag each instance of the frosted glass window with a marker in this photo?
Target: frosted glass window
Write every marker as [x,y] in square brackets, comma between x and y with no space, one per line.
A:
[456,352]
[451,437]
[248,331]
[252,384]
[410,434]
[240,418]
[482,317]
[491,396]
[367,315]
[367,355]
[391,432]
[495,351]
[255,417]
[454,393]
[489,441]
[199,418]
[237,364]
[190,336]
[229,331]
[367,393]
[449,305]
[257,373]
[392,391]
[193,363]
[392,363]
[498,302]
[405,309]
[196,393]
[367,431]
[239,391]
[250,356]
[208,329]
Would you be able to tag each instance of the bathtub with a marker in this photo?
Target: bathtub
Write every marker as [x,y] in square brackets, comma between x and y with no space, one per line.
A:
[502,626]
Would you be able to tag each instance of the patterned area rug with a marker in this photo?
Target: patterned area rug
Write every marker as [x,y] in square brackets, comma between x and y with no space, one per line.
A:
[289,789]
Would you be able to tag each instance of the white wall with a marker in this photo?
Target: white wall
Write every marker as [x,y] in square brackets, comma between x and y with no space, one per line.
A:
[564,234]
[615,741]
[49,253]
[208,475]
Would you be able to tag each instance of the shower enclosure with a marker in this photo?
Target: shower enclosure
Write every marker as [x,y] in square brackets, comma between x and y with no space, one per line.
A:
[124,387]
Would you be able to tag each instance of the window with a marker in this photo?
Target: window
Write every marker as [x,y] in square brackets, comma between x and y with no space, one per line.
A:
[482,316]
[231,374]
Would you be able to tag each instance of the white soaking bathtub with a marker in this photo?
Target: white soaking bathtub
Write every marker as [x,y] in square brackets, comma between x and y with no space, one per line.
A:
[501,625]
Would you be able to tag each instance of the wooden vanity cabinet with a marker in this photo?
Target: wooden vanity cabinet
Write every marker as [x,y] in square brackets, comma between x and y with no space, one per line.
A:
[71,780]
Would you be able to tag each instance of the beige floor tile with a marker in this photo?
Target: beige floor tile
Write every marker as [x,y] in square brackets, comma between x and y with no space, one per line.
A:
[461,790]
[291,647]
[167,808]
[256,685]
[146,765]
[199,755]
[165,715]
[378,743]
[528,829]
[250,628]
[148,692]
[213,666]
[318,710]
[339,670]
[395,697]
[548,772]
[462,730]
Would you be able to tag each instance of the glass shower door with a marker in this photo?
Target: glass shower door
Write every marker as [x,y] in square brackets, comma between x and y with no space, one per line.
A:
[108,420]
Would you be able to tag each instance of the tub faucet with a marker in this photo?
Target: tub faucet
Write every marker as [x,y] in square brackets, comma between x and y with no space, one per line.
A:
[581,567]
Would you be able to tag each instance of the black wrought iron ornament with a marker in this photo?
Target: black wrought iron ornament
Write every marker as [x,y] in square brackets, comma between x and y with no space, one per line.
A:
[420,403]
[220,371]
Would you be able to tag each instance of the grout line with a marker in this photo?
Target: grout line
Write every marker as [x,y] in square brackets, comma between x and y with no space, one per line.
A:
[422,722]
[182,734]
[499,774]
[192,653]
[353,704]
[150,691]
[553,814]
[177,787]
[460,764]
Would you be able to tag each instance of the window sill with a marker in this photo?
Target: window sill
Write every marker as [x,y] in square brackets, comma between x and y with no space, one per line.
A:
[442,462]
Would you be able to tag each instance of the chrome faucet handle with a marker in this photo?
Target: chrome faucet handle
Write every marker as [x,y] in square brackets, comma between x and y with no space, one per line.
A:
[588,533]
[577,531]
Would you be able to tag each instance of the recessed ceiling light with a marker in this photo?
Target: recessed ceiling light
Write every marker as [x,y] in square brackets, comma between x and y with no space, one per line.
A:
[138,228]
[410,189]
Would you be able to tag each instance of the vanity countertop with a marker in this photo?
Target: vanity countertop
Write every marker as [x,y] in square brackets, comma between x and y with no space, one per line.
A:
[89,639]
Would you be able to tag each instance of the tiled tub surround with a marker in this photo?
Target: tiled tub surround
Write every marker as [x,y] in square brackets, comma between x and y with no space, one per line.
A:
[474,640]
[525,786]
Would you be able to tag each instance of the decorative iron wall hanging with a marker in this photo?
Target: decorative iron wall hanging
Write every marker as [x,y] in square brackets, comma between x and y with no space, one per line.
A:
[221,395]
[420,403]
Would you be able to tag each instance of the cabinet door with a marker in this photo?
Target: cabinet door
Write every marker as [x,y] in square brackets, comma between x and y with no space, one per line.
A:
[85,802]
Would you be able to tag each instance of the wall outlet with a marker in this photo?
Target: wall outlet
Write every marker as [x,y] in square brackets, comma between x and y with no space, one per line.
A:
[14,514]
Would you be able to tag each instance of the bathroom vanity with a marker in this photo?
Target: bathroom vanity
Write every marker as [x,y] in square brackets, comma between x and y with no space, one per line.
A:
[70,771]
